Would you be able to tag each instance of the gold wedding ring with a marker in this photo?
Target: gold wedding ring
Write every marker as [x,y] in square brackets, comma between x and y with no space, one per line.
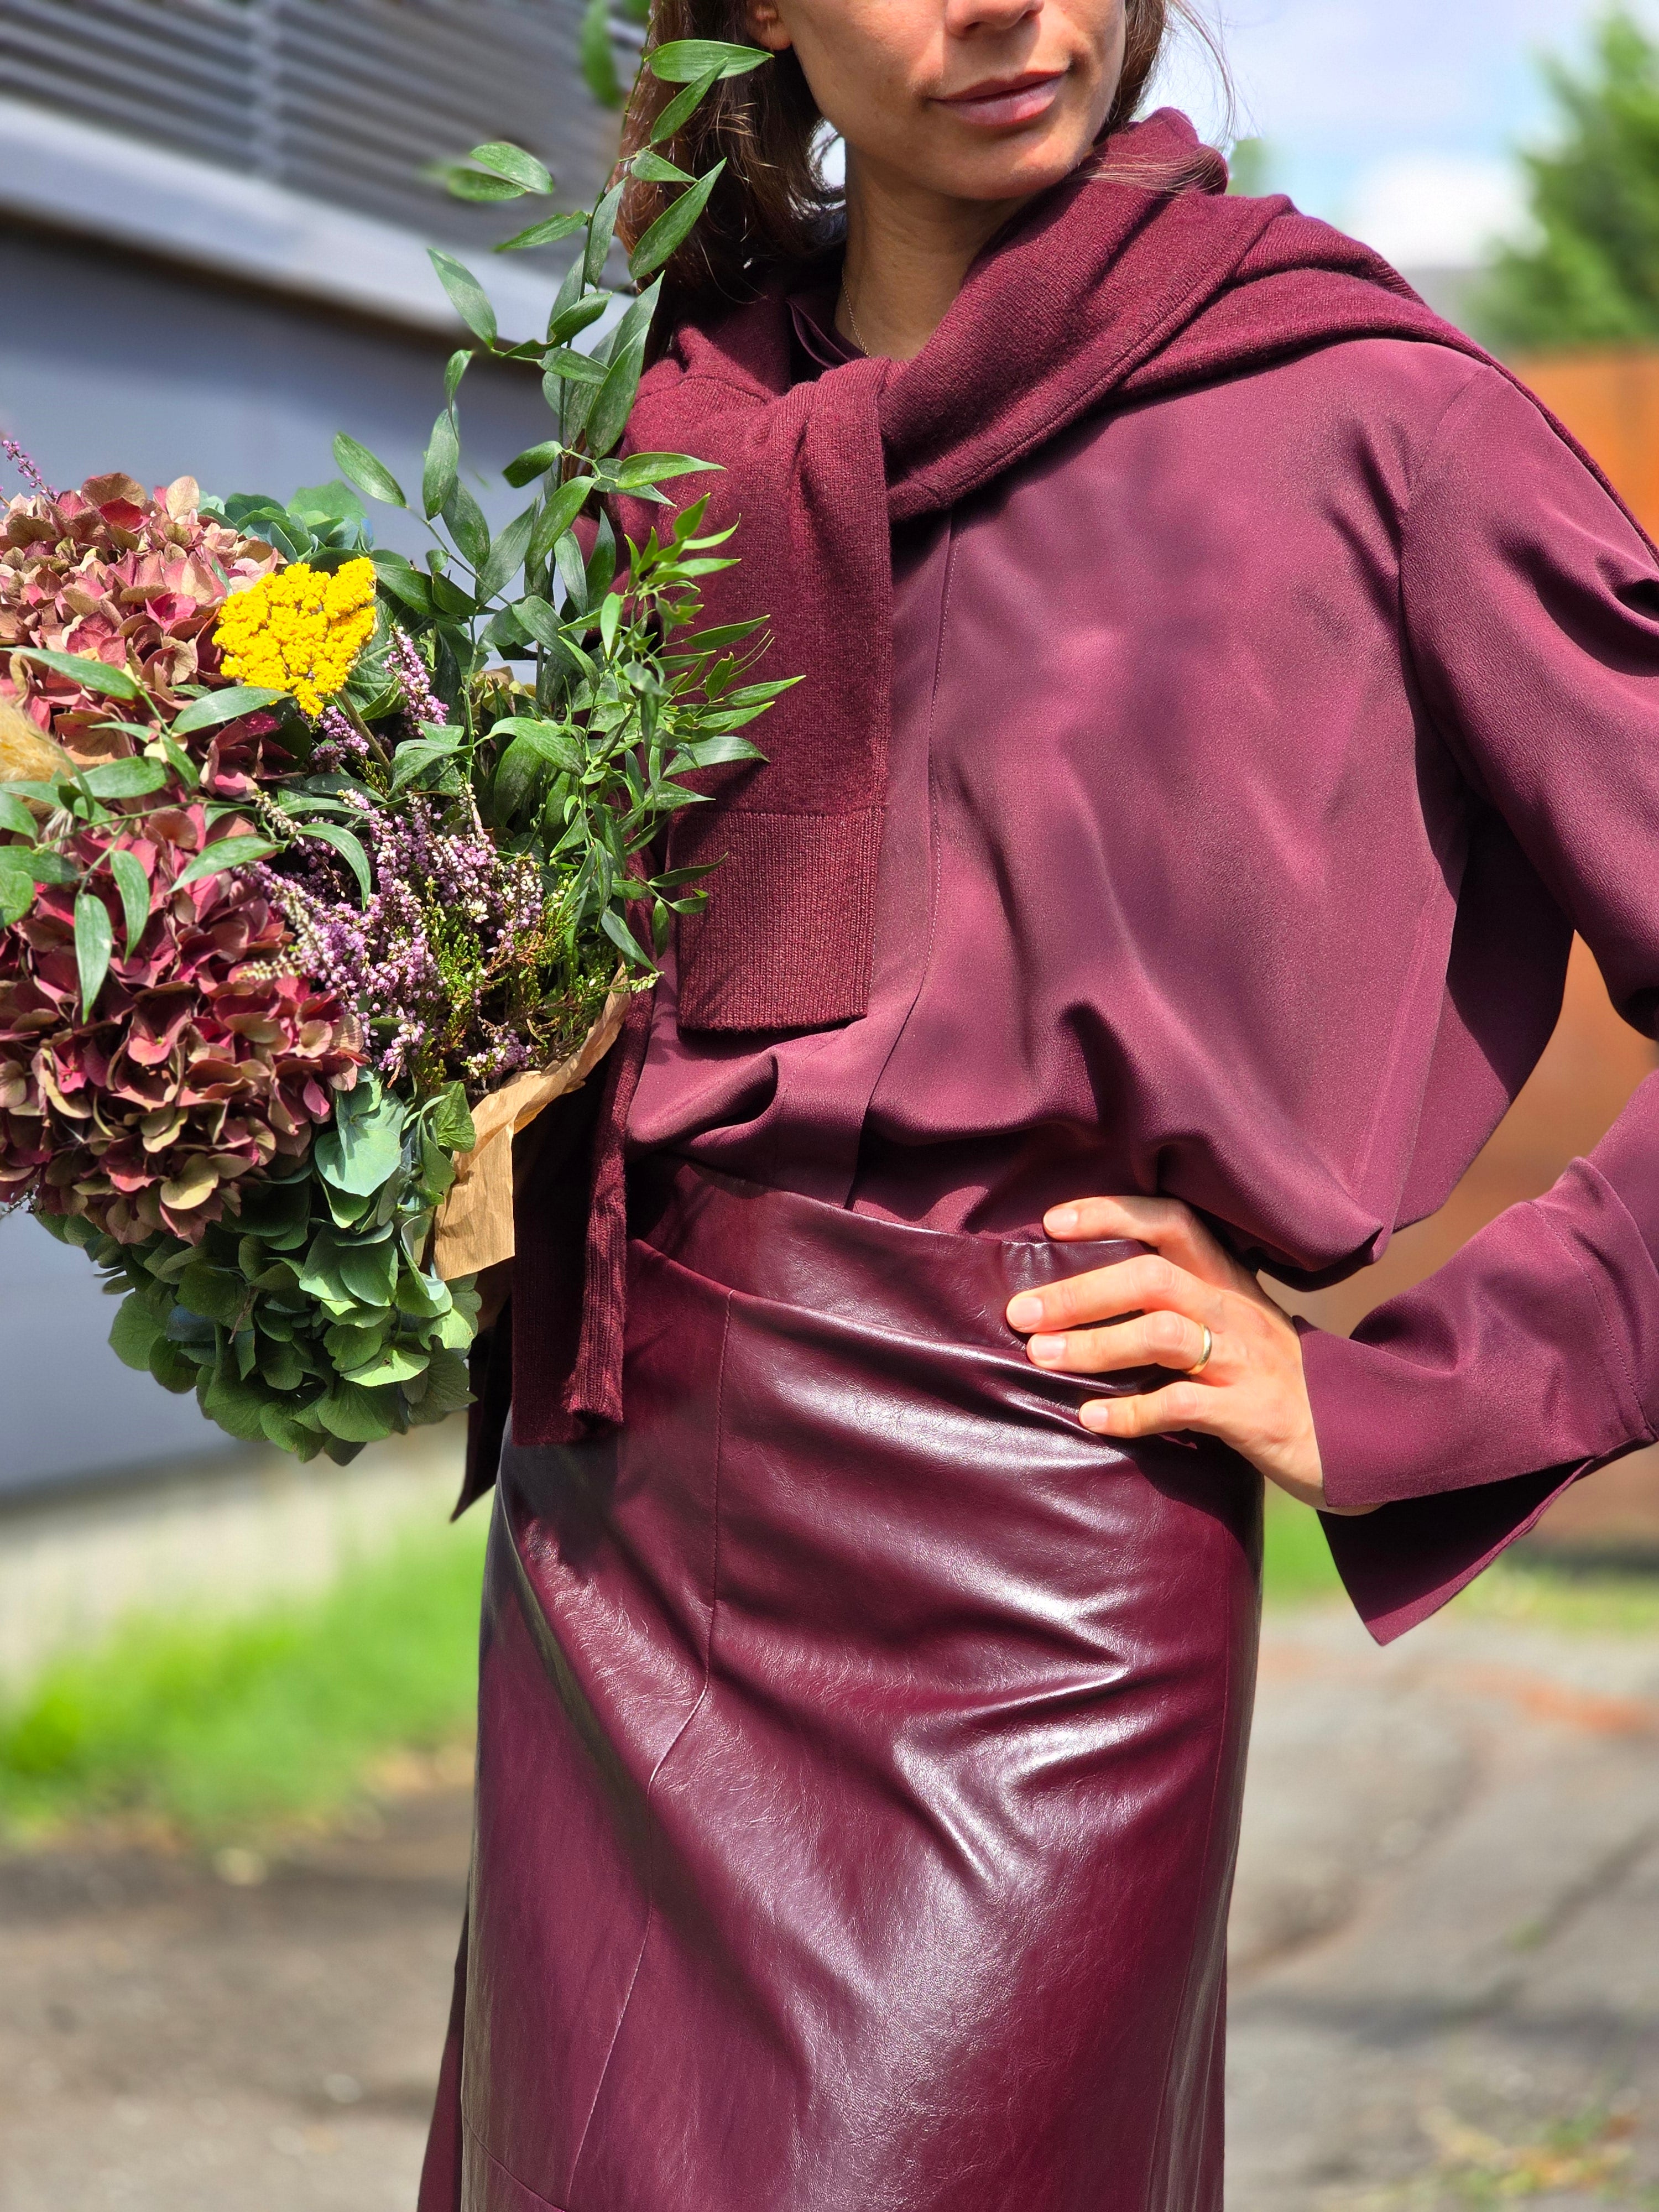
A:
[1203,1359]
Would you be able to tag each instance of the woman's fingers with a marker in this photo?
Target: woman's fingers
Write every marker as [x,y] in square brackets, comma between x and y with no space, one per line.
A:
[1154,1339]
[1171,1228]
[1154,1413]
[1149,1283]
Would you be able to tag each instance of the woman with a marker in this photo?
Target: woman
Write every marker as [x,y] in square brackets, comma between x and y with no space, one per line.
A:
[1225,692]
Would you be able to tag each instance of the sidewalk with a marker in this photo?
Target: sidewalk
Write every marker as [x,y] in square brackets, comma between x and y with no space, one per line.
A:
[1446,1944]
[1446,1933]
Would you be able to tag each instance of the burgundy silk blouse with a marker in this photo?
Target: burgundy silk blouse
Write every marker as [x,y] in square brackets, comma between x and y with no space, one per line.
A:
[1255,752]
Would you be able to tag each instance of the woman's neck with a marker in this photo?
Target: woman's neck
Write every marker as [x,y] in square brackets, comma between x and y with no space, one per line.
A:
[908,251]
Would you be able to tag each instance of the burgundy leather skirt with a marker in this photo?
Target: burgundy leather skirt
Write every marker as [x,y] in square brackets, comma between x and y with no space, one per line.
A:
[860,1750]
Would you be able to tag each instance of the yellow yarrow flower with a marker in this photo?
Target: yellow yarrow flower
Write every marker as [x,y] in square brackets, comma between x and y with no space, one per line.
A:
[298,631]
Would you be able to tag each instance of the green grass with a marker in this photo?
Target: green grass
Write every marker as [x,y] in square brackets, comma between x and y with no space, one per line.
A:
[228,1728]
[1519,1587]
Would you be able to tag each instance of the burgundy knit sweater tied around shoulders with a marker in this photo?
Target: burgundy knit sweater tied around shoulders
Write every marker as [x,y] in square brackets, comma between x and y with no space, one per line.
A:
[1110,290]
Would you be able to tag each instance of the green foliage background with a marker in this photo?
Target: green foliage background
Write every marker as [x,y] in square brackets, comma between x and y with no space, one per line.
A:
[1591,275]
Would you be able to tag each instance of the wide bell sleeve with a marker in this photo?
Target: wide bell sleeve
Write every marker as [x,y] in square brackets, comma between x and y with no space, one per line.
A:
[1531,611]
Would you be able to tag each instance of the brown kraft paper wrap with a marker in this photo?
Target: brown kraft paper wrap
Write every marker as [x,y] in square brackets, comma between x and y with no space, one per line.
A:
[474,1228]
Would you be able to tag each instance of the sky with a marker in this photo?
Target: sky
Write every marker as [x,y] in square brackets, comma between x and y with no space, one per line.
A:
[1395,119]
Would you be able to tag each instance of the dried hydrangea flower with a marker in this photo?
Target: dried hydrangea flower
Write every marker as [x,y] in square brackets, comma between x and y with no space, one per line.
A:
[207,1054]
[115,574]
[300,630]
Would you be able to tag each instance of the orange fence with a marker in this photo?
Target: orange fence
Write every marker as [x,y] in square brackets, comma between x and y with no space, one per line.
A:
[1609,399]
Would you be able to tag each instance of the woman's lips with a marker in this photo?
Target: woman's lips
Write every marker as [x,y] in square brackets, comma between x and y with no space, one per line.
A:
[1015,100]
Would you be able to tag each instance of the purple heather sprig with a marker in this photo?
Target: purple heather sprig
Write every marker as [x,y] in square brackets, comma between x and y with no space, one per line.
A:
[382,959]
[421,702]
[24,465]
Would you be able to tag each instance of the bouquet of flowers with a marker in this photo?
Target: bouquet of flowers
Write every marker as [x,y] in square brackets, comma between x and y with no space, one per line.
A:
[321,871]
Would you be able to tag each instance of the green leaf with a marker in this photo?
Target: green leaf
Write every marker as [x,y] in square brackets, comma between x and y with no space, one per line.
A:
[610,410]
[651,169]
[362,1145]
[133,884]
[567,323]
[369,1272]
[236,1406]
[125,778]
[454,369]
[225,853]
[443,453]
[173,1369]
[640,470]
[278,1213]
[601,229]
[622,937]
[534,461]
[15,817]
[16,886]
[349,848]
[52,867]
[320,1270]
[352,1344]
[537,752]
[683,61]
[135,1333]
[537,620]
[572,570]
[684,105]
[467,526]
[569,367]
[215,708]
[466,294]
[359,465]
[357,1415]
[422,1296]
[597,64]
[416,755]
[279,1366]
[559,510]
[464,184]
[451,1124]
[334,501]
[542,234]
[507,555]
[716,752]
[91,675]
[398,1363]
[212,1293]
[94,942]
[403,580]
[672,226]
[502,158]
[448,1384]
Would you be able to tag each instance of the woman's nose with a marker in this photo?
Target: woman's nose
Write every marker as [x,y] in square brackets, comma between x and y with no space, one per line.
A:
[963,17]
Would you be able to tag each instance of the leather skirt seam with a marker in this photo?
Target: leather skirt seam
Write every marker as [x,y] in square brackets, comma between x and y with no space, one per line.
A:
[506,2172]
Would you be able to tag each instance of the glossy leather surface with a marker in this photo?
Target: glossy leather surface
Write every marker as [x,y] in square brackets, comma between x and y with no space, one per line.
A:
[860,1753]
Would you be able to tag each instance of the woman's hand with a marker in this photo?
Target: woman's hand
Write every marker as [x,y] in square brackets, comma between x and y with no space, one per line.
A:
[1250,1391]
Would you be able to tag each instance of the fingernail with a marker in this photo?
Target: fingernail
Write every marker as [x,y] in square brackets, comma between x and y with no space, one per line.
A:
[1059,1217]
[1025,1311]
[1047,1351]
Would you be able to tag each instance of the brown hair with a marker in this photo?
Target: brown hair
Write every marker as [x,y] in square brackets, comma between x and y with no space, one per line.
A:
[772,204]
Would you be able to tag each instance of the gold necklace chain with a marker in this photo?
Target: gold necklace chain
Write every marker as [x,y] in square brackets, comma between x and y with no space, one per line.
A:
[852,319]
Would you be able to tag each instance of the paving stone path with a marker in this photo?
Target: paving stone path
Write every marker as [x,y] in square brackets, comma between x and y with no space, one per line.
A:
[1445,1942]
